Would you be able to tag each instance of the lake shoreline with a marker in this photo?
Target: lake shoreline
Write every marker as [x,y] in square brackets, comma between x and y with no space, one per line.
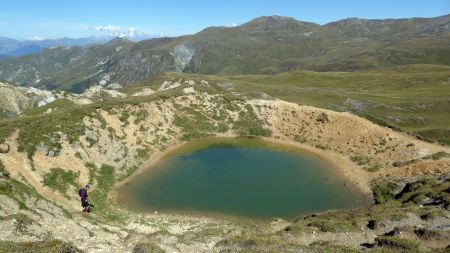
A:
[357,179]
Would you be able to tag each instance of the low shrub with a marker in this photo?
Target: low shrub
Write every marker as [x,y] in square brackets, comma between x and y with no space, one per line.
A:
[47,246]
[383,193]
[396,243]
[60,180]
[360,159]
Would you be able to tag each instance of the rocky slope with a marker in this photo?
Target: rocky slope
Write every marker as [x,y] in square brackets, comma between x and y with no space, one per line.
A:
[265,45]
[15,100]
[44,159]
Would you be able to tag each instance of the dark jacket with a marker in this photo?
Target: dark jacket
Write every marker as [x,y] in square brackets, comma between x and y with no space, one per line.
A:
[84,195]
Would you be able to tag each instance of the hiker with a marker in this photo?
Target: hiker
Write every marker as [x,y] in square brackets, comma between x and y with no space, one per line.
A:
[83,192]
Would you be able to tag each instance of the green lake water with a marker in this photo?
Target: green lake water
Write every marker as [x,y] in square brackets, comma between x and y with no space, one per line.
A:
[240,177]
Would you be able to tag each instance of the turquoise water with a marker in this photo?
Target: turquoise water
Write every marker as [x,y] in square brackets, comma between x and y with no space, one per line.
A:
[240,178]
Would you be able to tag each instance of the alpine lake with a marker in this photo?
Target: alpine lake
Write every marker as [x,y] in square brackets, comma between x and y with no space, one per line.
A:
[240,177]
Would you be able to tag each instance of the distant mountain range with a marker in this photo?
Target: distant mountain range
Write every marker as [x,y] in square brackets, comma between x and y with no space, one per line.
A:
[265,45]
[13,48]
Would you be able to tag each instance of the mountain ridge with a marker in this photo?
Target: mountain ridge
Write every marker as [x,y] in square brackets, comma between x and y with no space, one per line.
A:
[264,45]
[16,48]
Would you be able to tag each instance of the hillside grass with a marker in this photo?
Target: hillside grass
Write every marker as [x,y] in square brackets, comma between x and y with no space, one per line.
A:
[104,178]
[410,98]
[38,129]
[15,189]
[46,246]
[55,105]
[414,99]
[60,180]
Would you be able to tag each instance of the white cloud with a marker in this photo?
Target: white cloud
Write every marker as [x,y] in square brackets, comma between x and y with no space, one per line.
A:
[109,28]
[35,38]
[232,25]
[117,31]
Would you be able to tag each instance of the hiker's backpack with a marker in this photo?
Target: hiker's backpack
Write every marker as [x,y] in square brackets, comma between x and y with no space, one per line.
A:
[80,191]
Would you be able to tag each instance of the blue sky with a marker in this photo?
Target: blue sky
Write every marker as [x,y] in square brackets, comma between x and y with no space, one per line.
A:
[22,19]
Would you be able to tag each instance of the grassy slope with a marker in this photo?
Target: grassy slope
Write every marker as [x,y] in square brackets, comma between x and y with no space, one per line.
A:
[49,246]
[415,98]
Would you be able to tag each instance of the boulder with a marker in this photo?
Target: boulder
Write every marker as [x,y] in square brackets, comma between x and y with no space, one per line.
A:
[374,224]
[51,153]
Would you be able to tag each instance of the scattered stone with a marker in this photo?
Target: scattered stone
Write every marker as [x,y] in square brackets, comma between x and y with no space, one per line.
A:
[189,90]
[395,232]
[46,100]
[373,224]
[82,101]
[4,148]
[51,153]
[169,85]
[114,86]
[99,91]
[143,92]
[421,153]
[165,85]
[49,110]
